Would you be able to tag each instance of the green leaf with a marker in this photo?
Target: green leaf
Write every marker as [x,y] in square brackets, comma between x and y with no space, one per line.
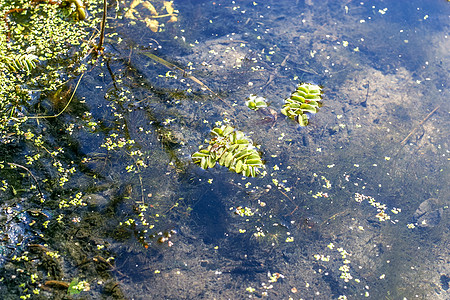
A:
[303,89]
[250,104]
[204,163]
[239,135]
[313,97]
[297,98]
[227,130]
[243,154]
[222,159]
[254,162]
[72,290]
[228,159]
[254,155]
[243,142]
[210,162]
[219,153]
[217,131]
[295,105]
[314,103]
[302,120]
[315,90]
[261,104]
[240,147]
[239,166]
[308,108]
[252,171]
[199,155]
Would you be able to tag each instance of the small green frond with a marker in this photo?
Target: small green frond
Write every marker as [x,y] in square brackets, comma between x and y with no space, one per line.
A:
[255,102]
[21,62]
[232,149]
[305,100]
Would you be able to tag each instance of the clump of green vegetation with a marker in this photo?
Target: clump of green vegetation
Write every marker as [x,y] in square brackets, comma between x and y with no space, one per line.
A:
[76,287]
[43,46]
[22,62]
[232,149]
[255,102]
[305,100]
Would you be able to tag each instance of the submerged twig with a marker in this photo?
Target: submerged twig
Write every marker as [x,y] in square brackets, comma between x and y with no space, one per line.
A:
[31,174]
[421,122]
[334,217]
[191,77]
[310,71]
[113,77]
[102,30]
[274,74]
[65,107]
[367,95]
[56,284]
[296,206]
[142,189]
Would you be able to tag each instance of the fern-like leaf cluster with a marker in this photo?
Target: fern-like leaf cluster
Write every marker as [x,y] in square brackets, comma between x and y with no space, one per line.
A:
[21,62]
[305,100]
[232,149]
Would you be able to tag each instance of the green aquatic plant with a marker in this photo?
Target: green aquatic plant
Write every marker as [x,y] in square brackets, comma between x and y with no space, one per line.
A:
[255,102]
[21,62]
[76,287]
[305,100]
[80,13]
[232,149]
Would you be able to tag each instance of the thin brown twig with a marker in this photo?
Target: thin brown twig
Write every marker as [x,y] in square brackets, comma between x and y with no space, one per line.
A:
[111,73]
[421,122]
[296,206]
[191,77]
[142,189]
[5,17]
[31,174]
[275,73]
[102,30]
[67,105]
[334,217]
[367,94]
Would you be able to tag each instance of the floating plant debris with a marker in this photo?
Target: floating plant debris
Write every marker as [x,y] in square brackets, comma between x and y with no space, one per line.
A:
[305,100]
[151,22]
[255,102]
[232,149]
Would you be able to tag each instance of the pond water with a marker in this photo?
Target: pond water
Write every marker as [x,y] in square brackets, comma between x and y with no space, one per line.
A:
[352,206]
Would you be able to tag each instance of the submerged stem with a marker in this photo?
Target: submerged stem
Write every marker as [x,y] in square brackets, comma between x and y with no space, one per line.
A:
[102,30]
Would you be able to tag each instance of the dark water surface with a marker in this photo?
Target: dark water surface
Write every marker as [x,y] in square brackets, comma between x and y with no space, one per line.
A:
[352,206]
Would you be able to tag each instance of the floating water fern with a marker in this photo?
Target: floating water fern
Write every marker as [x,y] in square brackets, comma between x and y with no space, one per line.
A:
[305,100]
[232,149]
[21,62]
[254,102]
